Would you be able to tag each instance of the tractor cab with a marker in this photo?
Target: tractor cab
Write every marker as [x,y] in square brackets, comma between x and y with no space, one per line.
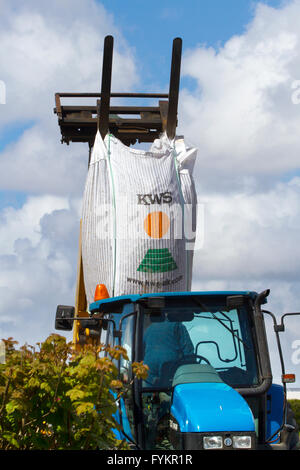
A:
[209,384]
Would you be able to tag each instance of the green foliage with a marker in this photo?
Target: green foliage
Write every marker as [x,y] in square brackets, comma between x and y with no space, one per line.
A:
[295,405]
[56,398]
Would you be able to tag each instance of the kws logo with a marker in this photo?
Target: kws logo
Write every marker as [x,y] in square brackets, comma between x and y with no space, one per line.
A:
[161,198]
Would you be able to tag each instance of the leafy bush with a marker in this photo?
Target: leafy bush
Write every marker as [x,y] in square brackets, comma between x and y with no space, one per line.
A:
[295,405]
[52,397]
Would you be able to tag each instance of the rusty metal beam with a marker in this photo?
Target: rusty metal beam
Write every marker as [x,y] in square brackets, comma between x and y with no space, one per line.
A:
[174,88]
[163,107]
[86,122]
[57,104]
[103,117]
[113,109]
[113,95]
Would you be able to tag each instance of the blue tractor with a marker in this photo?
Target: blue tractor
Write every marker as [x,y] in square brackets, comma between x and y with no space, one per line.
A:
[210,382]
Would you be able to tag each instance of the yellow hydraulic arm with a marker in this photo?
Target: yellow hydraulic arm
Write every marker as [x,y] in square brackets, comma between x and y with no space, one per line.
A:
[81,335]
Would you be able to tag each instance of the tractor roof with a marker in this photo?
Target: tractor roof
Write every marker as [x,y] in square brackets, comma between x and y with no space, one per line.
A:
[119,302]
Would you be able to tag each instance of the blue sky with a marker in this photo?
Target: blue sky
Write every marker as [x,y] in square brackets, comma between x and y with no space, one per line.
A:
[9,134]
[150,28]
[240,60]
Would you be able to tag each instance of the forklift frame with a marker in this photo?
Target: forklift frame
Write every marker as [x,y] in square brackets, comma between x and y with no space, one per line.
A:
[79,123]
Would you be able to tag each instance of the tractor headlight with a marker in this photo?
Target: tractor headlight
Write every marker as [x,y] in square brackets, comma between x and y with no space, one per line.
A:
[212,442]
[241,442]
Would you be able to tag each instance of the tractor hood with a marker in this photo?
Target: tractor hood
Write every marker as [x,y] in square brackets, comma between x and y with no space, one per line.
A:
[208,405]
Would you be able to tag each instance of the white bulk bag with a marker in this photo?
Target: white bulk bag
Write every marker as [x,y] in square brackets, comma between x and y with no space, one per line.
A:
[139,217]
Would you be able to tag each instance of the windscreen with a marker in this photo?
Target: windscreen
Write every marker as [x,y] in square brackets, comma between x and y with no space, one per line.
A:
[198,330]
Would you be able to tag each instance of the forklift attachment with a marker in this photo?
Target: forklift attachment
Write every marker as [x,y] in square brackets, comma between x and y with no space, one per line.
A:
[79,123]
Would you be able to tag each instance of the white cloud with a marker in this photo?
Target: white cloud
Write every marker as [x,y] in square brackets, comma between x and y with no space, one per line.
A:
[24,223]
[38,265]
[241,114]
[251,235]
[46,48]
[38,163]
[53,47]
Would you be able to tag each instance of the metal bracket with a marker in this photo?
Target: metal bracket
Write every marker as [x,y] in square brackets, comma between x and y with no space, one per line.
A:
[79,123]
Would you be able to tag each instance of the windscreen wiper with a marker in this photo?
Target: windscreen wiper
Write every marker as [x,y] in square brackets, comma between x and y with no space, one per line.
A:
[205,309]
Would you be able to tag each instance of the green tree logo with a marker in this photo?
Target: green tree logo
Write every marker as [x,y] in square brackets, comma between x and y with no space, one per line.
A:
[157,260]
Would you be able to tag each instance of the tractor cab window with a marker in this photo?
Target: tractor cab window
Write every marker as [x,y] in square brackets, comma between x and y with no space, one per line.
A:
[166,343]
[196,336]
[189,334]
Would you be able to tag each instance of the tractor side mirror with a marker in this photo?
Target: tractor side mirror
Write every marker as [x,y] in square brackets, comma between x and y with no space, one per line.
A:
[64,317]
[281,326]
